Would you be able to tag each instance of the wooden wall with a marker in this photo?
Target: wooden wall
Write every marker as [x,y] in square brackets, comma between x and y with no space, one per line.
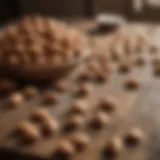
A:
[54,7]
[8,10]
[113,6]
[149,11]
[73,7]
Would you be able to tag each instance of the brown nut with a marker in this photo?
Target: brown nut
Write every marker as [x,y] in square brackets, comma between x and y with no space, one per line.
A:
[25,28]
[132,83]
[101,76]
[50,126]
[11,32]
[140,61]
[124,67]
[30,92]
[80,141]
[51,97]
[35,54]
[40,60]
[85,75]
[78,107]
[64,150]
[28,132]
[99,120]
[15,100]
[84,89]
[113,147]
[56,60]
[40,115]
[60,85]
[106,68]
[74,122]
[39,26]
[108,104]
[134,137]
[157,70]
[20,48]
[13,60]
[94,66]
[115,56]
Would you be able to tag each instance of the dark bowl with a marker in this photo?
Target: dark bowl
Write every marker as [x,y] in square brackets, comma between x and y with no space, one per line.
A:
[43,72]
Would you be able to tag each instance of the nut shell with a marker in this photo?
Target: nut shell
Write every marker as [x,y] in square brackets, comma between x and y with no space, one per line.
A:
[64,150]
[50,97]
[28,132]
[78,107]
[132,83]
[134,137]
[30,92]
[99,120]
[40,115]
[80,141]
[113,147]
[84,89]
[108,104]
[74,123]
[50,127]
[15,100]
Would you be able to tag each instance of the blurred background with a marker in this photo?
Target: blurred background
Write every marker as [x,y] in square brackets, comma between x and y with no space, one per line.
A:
[131,9]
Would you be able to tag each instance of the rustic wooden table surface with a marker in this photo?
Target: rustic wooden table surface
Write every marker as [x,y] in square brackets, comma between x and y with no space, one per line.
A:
[139,108]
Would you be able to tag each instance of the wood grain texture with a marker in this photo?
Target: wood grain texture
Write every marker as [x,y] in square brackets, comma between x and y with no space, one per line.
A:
[62,8]
[108,6]
[138,108]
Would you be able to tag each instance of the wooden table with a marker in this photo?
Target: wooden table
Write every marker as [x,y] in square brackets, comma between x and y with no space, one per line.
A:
[139,108]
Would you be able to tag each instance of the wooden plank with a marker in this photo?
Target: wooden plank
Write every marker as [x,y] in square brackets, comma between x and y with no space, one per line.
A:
[135,108]
[112,6]
[62,8]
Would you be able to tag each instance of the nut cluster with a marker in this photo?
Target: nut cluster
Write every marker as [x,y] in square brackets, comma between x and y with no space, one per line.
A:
[124,43]
[96,68]
[37,40]
[45,124]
